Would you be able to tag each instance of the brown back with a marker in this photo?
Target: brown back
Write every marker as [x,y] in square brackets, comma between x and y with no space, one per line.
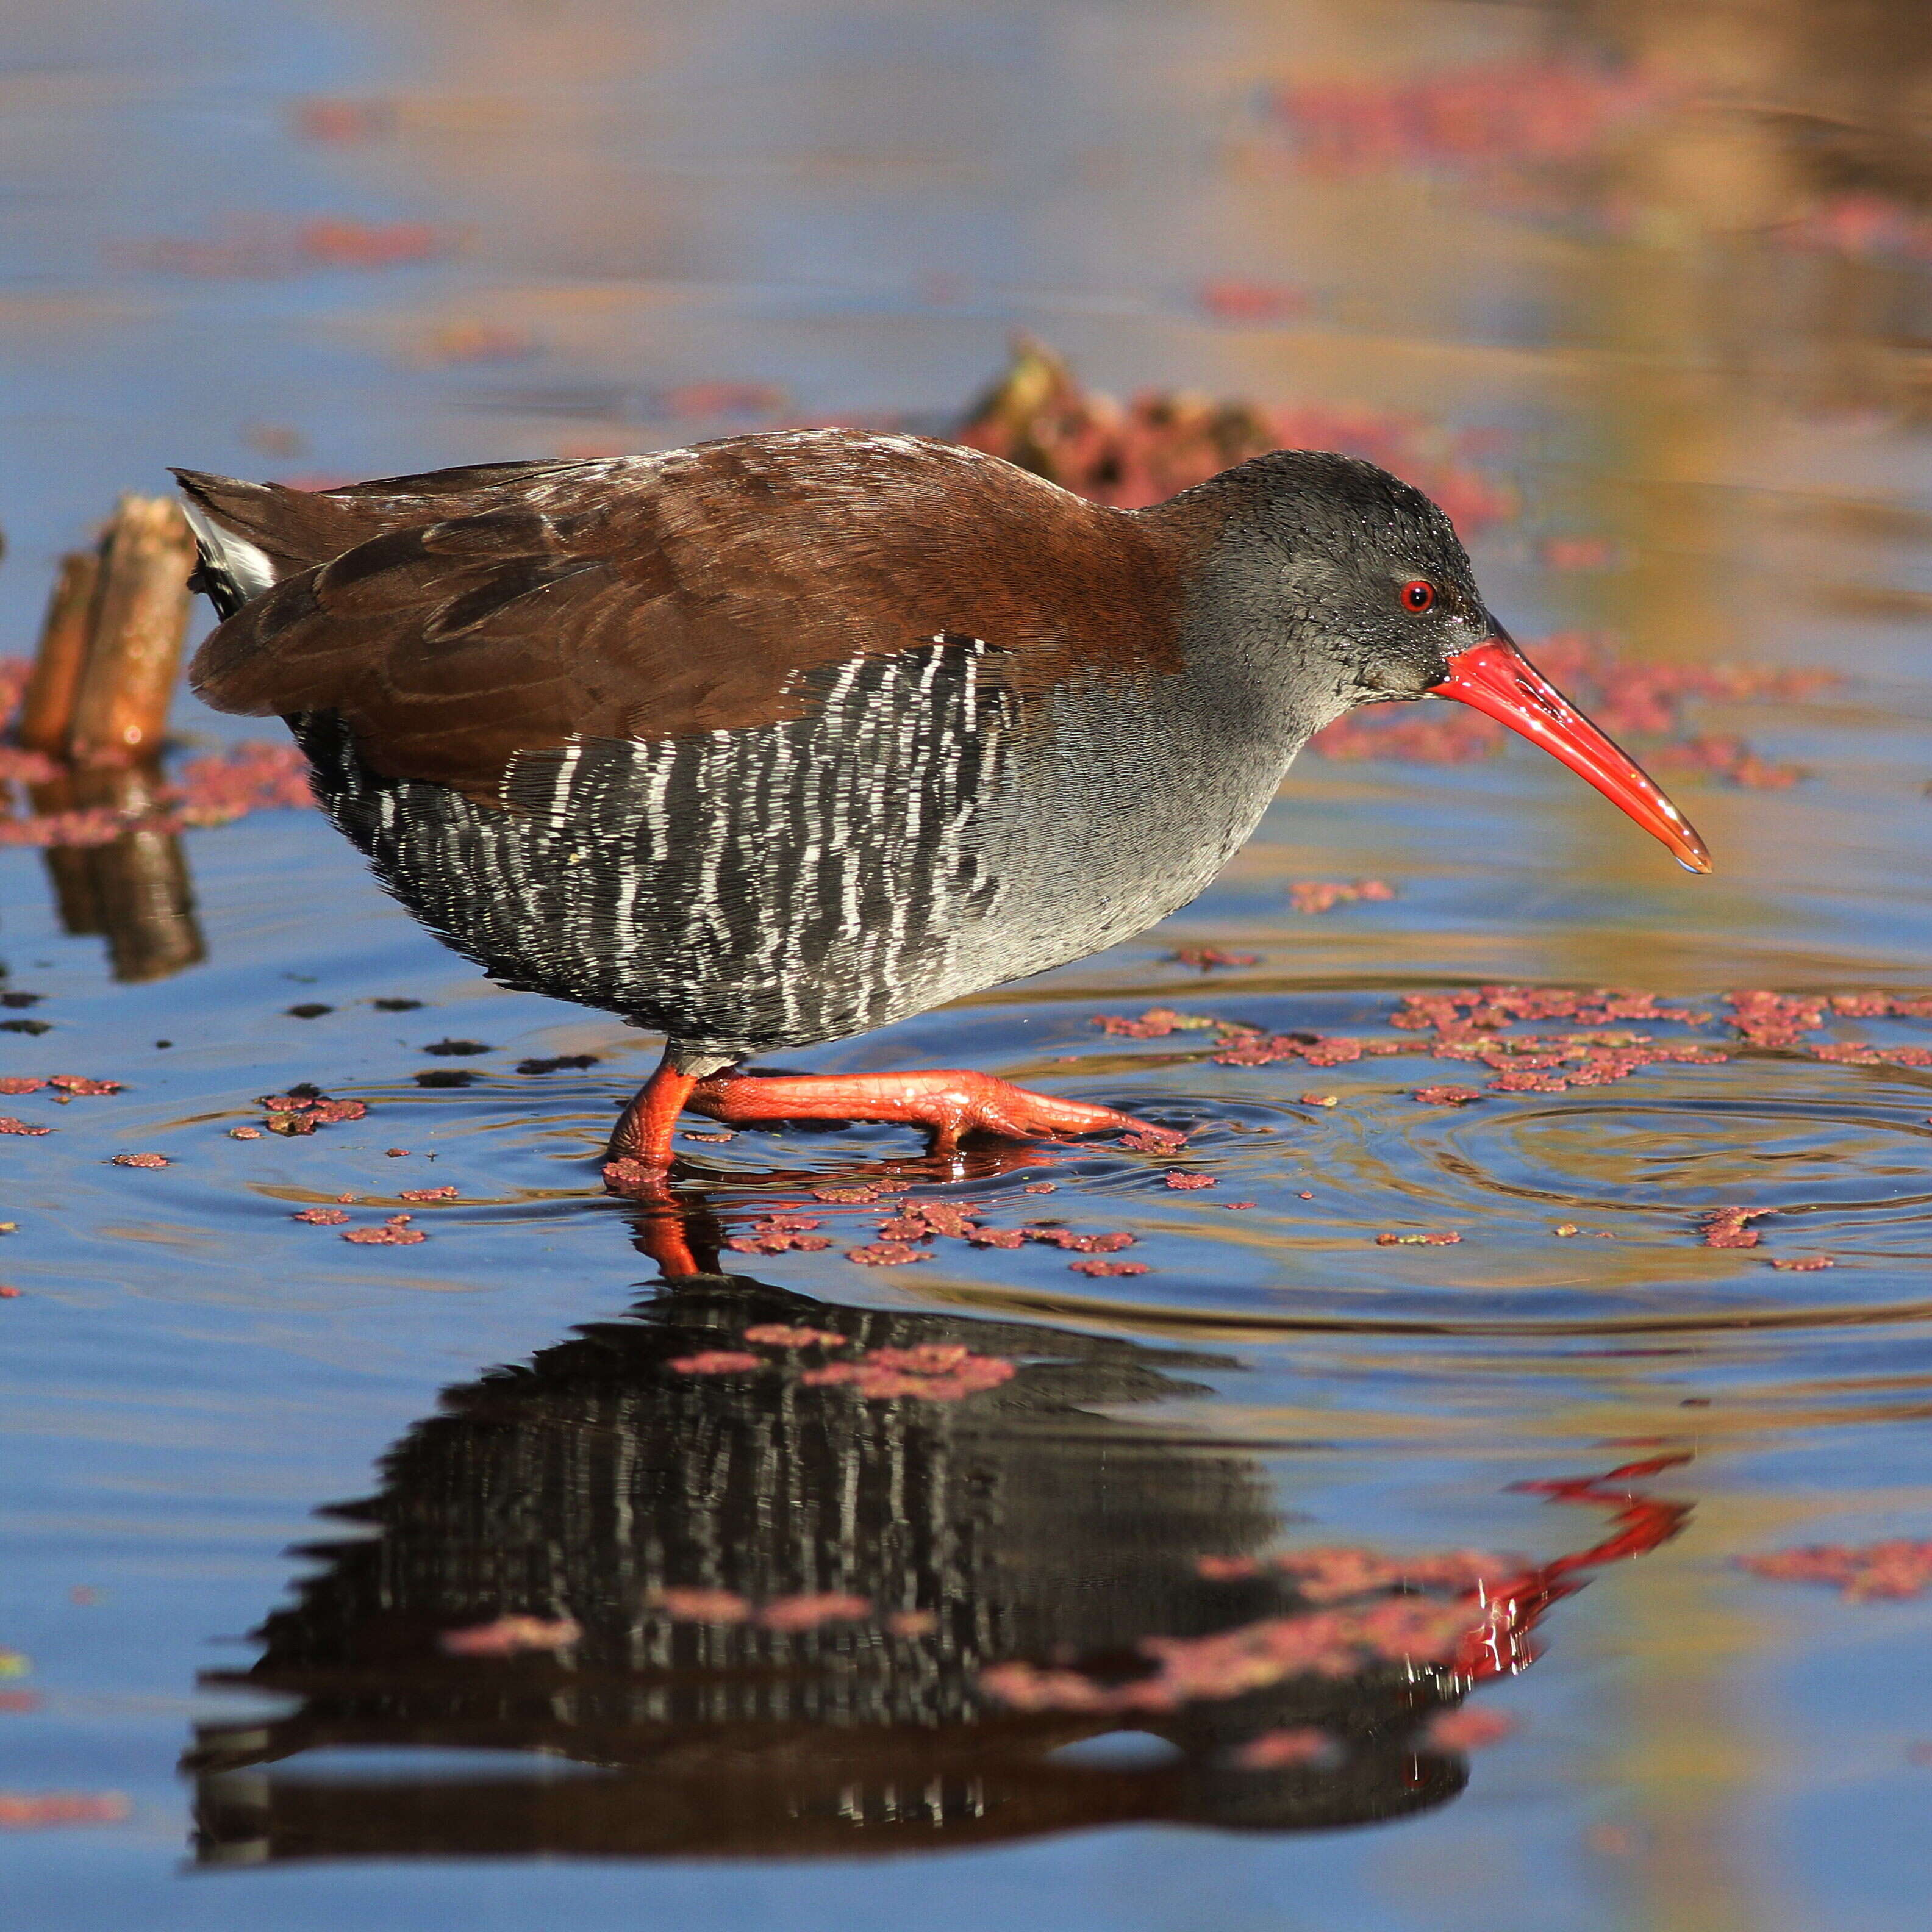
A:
[456,619]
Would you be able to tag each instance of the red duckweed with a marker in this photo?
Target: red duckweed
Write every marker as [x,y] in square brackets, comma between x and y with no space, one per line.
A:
[1501,112]
[1227,298]
[264,250]
[1317,895]
[933,1372]
[1085,1244]
[1481,1632]
[779,1234]
[1156,1023]
[700,1606]
[811,1610]
[1285,1750]
[36,1811]
[507,1637]
[1466,1729]
[778,1335]
[1859,1573]
[1724,1228]
[1226,1569]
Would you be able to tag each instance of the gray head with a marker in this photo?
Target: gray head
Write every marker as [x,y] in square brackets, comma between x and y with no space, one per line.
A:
[1354,576]
[1326,583]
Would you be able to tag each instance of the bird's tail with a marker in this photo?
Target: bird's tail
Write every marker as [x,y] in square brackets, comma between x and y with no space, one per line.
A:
[252,535]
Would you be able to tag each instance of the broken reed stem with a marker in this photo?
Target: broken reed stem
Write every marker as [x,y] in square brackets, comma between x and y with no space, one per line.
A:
[46,707]
[139,624]
[110,649]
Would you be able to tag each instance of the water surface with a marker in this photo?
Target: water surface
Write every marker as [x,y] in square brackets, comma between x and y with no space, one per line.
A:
[253,1473]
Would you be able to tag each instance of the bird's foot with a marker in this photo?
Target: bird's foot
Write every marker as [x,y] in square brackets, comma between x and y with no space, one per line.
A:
[639,1154]
[948,1103]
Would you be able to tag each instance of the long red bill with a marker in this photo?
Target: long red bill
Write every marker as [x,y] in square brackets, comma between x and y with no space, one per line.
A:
[1495,677]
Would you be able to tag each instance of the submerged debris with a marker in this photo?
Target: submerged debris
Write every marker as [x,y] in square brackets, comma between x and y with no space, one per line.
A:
[1040,416]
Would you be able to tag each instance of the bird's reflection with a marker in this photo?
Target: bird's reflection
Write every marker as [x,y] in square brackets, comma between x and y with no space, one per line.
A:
[1025,1520]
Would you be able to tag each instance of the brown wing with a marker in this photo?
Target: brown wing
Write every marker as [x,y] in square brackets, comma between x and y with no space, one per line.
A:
[660,596]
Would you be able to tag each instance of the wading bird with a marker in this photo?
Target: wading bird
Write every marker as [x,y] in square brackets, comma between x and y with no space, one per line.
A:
[770,741]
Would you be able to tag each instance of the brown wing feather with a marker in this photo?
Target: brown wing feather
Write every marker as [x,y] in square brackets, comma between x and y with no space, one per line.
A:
[655,597]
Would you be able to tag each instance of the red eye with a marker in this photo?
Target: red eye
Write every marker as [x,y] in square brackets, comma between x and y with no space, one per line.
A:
[1418,596]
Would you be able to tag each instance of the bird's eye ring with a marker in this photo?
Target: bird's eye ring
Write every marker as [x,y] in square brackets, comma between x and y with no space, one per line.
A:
[1418,595]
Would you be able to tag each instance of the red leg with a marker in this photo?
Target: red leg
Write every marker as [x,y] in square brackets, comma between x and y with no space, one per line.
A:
[947,1102]
[643,1130]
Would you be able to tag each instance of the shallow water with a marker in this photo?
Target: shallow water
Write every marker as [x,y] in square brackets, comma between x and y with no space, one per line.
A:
[1686,323]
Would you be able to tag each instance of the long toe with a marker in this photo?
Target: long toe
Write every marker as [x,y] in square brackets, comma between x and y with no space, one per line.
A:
[948,1101]
[998,1107]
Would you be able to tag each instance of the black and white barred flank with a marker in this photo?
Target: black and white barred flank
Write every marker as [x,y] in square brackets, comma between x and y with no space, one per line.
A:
[744,891]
